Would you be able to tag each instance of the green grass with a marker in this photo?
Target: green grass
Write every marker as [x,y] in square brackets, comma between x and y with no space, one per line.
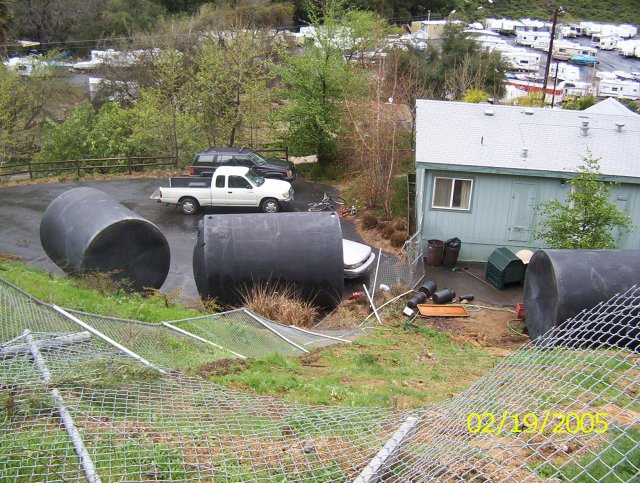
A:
[394,366]
[78,294]
[617,463]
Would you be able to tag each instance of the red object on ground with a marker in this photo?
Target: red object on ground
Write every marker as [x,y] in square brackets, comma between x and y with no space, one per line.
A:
[356,295]
[520,311]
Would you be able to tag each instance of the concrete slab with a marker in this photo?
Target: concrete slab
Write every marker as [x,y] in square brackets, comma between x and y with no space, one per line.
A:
[463,283]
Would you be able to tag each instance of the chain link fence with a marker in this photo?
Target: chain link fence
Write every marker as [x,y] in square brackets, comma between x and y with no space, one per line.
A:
[74,407]
[405,269]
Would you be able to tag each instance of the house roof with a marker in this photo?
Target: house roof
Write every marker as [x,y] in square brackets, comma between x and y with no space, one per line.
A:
[610,106]
[492,138]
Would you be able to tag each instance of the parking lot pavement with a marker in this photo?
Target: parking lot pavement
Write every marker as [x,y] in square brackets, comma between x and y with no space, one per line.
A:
[23,206]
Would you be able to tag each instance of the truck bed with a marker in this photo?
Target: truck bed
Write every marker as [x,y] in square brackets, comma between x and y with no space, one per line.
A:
[190,182]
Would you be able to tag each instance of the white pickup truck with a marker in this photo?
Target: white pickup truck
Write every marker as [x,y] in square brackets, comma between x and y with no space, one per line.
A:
[229,186]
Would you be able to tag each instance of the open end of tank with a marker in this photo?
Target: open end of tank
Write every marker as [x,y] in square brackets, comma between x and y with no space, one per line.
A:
[132,250]
[540,295]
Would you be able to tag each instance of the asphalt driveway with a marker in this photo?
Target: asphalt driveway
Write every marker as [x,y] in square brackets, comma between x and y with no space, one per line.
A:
[22,208]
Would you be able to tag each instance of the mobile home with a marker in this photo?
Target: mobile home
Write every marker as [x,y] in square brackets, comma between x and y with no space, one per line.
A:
[529,37]
[622,89]
[520,59]
[567,50]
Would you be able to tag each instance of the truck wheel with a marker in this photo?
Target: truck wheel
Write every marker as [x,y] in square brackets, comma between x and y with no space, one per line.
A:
[189,206]
[269,205]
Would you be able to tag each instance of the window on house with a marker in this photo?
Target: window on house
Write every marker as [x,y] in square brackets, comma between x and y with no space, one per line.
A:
[452,193]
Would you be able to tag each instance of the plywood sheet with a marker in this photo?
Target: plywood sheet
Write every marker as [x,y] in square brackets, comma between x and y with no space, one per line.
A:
[429,310]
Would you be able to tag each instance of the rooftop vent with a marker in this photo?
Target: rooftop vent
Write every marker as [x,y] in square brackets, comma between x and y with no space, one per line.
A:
[525,153]
[528,112]
[619,126]
[585,128]
[489,112]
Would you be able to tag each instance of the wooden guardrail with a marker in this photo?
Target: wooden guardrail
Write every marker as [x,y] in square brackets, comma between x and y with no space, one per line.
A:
[125,164]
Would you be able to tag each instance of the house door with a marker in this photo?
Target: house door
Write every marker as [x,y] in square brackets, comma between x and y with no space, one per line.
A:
[523,197]
[625,201]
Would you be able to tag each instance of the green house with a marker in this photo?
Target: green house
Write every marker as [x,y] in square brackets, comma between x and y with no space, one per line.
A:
[481,168]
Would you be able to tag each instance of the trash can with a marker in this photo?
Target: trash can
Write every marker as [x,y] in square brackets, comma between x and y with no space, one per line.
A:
[435,252]
[451,252]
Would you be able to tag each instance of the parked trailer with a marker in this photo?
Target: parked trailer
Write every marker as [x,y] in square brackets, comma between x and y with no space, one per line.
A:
[621,89]
[520,59]
[566,71]
[568,50]
[529,37]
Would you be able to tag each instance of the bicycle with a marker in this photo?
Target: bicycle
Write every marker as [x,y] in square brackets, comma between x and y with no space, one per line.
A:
[328,203]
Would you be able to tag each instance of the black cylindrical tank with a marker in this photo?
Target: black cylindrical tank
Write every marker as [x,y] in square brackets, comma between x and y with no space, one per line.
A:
[443,296]
[428,288]
[559,284]
[85,230]
[236,251]
[418,298]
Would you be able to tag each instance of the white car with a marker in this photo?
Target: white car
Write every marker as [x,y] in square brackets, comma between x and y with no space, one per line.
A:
[358,259]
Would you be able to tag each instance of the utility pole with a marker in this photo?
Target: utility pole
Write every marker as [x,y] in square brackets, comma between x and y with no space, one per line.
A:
[548,64]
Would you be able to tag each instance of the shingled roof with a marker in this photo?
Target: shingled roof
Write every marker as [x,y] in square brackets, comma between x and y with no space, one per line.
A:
[526,140]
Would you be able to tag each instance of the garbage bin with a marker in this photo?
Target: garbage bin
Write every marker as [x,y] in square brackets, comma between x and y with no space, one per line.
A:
[451,252]
[435,252]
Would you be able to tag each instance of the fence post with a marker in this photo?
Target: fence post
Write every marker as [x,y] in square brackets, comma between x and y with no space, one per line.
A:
[78,167]
[175,162]
[129,164]
[30,169]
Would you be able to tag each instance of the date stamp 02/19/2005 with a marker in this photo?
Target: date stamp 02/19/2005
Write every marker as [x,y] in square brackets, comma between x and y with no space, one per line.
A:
[529,423]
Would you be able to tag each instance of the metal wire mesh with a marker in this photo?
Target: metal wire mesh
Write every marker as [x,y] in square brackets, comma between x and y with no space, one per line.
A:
[407,269]
[137,424]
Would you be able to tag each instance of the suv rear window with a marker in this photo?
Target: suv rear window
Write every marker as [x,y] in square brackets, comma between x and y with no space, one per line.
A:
[207,159]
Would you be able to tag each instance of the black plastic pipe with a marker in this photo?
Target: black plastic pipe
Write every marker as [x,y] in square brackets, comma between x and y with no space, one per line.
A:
[559,284]
[303,250]
[84,230]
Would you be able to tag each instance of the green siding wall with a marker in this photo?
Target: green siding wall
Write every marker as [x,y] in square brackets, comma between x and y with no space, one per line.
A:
[501,212]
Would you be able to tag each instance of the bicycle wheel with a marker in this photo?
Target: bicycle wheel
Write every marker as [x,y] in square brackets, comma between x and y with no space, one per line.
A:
[338,200]
[316,206]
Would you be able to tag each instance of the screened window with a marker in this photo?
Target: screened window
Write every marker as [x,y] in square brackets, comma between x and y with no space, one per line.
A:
[452,193]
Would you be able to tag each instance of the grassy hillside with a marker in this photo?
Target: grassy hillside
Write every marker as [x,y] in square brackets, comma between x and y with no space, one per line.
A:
[613,11]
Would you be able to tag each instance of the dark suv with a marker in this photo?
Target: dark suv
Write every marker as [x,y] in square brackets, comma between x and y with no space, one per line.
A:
[206,162]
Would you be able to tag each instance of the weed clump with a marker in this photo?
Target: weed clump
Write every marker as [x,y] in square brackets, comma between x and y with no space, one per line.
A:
[397,239]
[281,303]
[388,232]
[369,222]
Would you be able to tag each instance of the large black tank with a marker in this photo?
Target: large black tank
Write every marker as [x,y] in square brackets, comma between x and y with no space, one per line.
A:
[85,230]
[561,283]
[303,249]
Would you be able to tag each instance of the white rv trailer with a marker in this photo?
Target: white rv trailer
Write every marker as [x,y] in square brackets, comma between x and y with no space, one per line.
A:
[623,89]
[521,59]
[529,37]
[629,48]
[566,50]
[608,43]
[574,89]
[567,72]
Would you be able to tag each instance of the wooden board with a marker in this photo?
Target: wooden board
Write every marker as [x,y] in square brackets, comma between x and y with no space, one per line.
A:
[429,310]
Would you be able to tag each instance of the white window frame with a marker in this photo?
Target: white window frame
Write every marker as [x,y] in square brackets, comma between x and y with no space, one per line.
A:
[453,179]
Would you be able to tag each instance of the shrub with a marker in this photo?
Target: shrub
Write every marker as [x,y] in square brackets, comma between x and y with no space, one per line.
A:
[381,226]
[388,231]
[369,222]
[281,303]
[397,239]
[401,225]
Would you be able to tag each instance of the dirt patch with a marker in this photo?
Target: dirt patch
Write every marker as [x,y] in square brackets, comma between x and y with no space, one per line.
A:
[484,328]
[374,238]
[222,367]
